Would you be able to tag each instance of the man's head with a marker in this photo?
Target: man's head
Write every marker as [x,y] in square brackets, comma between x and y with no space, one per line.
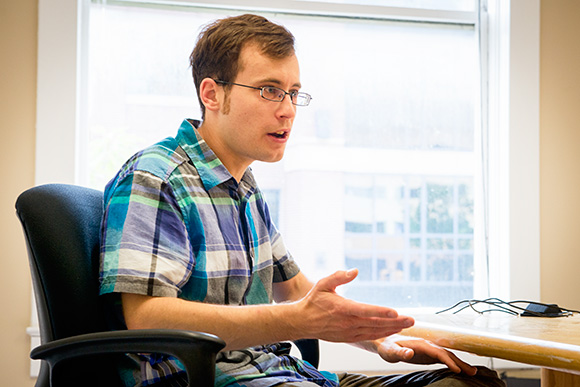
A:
[217,52]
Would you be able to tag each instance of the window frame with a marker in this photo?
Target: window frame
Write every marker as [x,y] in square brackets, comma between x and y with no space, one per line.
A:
[511,116]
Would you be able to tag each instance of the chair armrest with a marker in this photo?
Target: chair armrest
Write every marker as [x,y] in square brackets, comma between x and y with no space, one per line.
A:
[197,351]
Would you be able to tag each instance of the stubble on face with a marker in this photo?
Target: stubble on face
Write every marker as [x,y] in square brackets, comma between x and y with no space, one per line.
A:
[225,109]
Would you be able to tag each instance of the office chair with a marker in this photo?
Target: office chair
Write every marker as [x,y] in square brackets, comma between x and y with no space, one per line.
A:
[61,224]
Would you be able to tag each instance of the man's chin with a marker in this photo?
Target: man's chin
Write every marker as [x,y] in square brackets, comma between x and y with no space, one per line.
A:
[272,159]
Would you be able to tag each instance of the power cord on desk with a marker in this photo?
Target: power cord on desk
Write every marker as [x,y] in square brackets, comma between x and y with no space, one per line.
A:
[533,309]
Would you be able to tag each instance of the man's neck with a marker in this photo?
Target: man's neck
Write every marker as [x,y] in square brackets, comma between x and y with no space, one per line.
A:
[234,166]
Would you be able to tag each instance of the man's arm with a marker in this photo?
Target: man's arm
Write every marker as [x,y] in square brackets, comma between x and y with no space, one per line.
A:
[321,313]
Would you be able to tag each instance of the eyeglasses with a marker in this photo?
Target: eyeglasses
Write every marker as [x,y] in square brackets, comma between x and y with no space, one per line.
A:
[276,94]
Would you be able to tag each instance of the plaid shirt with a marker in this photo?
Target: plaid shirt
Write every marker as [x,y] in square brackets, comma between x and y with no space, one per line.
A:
[177,224]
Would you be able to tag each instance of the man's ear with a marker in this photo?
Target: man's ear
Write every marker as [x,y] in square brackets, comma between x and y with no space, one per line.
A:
[209,94]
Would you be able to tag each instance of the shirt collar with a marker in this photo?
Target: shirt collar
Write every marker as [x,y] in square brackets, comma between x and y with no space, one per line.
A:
[210,168]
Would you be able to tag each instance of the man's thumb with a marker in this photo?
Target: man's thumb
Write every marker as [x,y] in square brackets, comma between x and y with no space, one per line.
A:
[338,278]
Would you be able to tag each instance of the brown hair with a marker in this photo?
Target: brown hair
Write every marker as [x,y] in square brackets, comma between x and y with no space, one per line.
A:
[217,51]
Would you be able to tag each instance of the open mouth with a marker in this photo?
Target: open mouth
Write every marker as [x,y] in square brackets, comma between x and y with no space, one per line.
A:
[281,134]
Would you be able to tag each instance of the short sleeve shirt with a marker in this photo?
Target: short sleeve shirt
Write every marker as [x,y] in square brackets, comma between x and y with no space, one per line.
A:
[177,224]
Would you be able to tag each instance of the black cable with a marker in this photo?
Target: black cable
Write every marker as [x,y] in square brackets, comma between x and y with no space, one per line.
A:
[510,307]
[471,304]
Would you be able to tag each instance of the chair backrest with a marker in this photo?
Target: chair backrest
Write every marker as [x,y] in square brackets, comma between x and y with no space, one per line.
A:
[62,225]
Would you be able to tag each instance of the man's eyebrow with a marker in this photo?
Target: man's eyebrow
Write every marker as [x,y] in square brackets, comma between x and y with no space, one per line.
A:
[279,83]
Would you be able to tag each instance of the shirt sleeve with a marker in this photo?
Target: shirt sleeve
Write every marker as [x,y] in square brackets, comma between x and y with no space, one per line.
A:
[145,247]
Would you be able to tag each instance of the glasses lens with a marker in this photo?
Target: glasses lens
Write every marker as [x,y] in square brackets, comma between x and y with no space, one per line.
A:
[301,99]
[273,93]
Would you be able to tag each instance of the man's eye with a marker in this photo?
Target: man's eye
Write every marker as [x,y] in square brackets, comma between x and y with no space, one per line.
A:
[272,90]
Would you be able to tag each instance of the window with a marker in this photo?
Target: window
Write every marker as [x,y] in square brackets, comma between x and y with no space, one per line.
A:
[392,93]
[511,62]
[411,238]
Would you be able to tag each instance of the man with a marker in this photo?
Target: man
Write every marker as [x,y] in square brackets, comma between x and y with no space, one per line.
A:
[188,242]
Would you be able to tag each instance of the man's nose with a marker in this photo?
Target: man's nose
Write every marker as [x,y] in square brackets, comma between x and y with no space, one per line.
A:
[287,108]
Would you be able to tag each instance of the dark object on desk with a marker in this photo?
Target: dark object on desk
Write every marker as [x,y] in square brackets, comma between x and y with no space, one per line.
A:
[544,310]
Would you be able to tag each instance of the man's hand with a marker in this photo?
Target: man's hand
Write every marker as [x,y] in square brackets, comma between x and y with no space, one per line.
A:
[419,351]
[326,315]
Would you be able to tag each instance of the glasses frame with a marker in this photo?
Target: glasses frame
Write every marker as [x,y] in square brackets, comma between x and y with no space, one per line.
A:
[293,94]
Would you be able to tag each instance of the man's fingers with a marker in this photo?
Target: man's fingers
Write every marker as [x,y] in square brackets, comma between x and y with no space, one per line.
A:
[461,365]
[454,363]
[424,352]
[330,283]
[362,310]
[398,353]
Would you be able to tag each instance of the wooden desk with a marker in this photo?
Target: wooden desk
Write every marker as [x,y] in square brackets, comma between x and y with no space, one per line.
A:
[551,343]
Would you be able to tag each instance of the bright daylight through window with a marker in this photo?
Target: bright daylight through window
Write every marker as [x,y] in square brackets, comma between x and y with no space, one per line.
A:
[382,169]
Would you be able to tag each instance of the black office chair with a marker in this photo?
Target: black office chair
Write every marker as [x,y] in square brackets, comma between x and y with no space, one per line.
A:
[61,224]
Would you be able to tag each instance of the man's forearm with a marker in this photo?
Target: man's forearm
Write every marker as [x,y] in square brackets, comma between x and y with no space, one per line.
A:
[239,326]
